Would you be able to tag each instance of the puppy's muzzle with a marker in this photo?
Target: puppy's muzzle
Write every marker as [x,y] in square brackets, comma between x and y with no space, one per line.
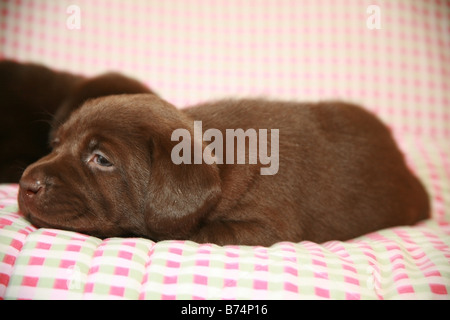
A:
[31,188]
[32,192]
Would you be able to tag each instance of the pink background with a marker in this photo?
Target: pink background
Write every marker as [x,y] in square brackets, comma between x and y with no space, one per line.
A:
[192,50]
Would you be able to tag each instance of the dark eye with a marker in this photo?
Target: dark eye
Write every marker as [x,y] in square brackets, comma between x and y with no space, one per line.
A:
[101,160]
[98,160]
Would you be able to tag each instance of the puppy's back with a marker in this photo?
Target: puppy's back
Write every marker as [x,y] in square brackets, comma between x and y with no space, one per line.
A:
[340,174]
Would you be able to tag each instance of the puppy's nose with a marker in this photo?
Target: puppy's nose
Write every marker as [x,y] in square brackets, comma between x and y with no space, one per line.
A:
[31,187]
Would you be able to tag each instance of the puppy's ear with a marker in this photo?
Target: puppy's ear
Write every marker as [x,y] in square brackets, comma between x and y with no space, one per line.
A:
[180,195]
[111,83]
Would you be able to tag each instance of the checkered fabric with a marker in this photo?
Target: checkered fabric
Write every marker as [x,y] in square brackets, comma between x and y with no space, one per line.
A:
[194,50]
[393,57]
[398,263]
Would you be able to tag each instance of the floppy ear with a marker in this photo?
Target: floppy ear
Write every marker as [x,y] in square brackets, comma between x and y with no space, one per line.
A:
[179,195]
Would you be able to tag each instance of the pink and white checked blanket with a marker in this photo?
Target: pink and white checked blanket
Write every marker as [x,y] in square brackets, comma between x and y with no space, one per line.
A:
[393,57]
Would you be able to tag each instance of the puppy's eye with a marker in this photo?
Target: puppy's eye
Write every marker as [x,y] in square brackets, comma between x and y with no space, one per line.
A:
[101,161]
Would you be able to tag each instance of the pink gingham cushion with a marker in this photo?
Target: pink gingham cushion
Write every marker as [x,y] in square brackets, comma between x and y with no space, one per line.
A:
[397,263]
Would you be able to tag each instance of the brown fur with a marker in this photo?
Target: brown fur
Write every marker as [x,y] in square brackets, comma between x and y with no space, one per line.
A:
[340,175]
[34,99]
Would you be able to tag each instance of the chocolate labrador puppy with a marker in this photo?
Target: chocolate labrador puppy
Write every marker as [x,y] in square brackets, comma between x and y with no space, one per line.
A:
[247,172]
[34,99]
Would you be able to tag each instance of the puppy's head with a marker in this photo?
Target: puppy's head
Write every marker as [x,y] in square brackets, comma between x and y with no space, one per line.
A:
[110,173]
